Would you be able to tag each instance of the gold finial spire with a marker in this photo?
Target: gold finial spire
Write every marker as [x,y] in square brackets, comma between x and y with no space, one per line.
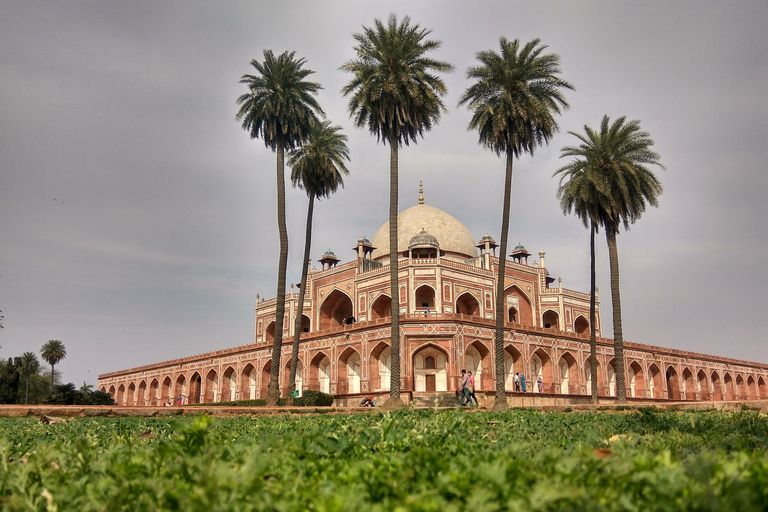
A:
[421,193]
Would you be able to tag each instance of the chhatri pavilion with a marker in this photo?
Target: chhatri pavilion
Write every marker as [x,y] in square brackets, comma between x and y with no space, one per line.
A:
[447,286]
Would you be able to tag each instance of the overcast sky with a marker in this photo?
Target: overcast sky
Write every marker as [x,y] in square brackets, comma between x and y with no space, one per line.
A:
[137,218]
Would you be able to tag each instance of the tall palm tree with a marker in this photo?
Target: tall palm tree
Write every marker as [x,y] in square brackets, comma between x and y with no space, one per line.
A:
[397,94]
[579,192]
[53,351]
[514,100]
[317,167]
[280,107]
[618,157]
[28,366]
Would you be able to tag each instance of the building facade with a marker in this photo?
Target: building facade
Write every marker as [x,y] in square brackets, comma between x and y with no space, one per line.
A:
[447,292]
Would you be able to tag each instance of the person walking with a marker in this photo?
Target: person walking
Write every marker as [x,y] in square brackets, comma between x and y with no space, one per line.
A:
[522,382]
[471,396]
[517,381]
[464,387]
[540,384]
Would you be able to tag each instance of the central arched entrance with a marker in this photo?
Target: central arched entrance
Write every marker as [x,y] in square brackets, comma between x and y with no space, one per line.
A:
[429,370]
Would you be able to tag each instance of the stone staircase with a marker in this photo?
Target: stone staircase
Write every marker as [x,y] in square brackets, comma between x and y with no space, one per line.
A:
[432,400]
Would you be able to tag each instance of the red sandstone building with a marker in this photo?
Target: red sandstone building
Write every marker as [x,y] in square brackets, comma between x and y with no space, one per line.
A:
[447,286]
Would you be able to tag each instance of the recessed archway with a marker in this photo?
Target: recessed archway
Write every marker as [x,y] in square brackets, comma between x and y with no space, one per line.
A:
[477,360]
[336,310]
[165,392]
[581,325]
[350,372]
[636,380]
[717,387]
[269,334]
[320,373]
[381,307]
[121,395]
[687,385]
[654,382]
[540,365]
[703,385]
[379,372]
[515,298]
[673,384]
[425,298]
[248,383]
[569,377]
[130,394]
[195,389]
[741,388]
[512,365]
[306,324]
[467,304]
[266,374]
[761,389]
[211,393]
[550,320]
[228,385]
[429,370]
[588,377]
[141,397]
[153,385]
[751,388]
[729,391]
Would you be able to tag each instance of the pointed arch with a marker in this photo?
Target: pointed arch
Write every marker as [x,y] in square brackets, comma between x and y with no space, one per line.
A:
[266,370]
[211,388]
[467,304]
[512,365]
[516,298]
[611,377]
[121,395]
[729,390]
[688,387]
[751,388]
[141,396]
[717,387]
[540,365]
[703,386]
[285,375]
[588,377]
[336,310]
[269,333]
[569,376]
[741,388]
[306,323]
[320,373]
[130,394]
[350,372]
[228,385]
[195,389]
[761,388]
[430,369]
[637,386]
[654,381]
[550,319]
[380,367]
[581,325]
[165,391]
[425,297]
[248,382]
[380,308]
[112,392]
[673,383]
[477,359]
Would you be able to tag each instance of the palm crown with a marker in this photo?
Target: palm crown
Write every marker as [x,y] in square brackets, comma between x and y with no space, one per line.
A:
[394,89]
[280,105]
[319,165]
[515,97]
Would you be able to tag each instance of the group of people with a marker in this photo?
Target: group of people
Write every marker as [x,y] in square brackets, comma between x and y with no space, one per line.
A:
[520,383]
[467,388]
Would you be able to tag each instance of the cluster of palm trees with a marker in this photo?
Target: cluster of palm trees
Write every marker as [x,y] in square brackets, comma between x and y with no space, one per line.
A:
[397,93]
[28,365]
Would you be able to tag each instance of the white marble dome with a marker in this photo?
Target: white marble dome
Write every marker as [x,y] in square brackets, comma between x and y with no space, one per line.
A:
[453,236]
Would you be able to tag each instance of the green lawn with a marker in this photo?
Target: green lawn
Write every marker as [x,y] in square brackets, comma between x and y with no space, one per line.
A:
[410,460]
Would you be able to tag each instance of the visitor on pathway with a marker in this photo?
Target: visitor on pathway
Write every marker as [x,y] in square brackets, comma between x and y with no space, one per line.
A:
[179,401]
[464,387]
[517,381]
[367,402]
[522,382]
[471,388]
[540,384]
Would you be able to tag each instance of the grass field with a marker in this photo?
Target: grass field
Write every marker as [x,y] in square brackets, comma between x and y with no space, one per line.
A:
[409,460]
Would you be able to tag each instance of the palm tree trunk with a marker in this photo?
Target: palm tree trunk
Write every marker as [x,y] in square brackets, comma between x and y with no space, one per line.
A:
[618,339]
[592,326]
[394,401]
[302,293]
[500,403]
[273,391]
[51,377]
[26,396]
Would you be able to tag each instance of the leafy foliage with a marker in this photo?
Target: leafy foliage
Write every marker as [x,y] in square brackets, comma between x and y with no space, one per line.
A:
[408,460]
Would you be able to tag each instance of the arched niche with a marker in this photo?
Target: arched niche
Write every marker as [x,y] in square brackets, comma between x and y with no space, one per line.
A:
[336,310]
[512,365]
[141,396]
[350,372]
[195,389]
[550,320]
[515,298]
[477,359]
[588,377]
[266,374]
[673,384]
[248,382]
[581,325]
[569,376]
[320,373]
[380,369]
[687,385]
[729,389]
[425,298]
[130,394]
[467,304]
[430,369]
[166,395]
[228,385]
[381,307]
[636,380]
[717,387]
[703,386]
[211,393]
[654,381]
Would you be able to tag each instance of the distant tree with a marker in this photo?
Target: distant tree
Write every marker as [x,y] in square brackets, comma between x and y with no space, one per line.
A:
[65,394]
[28,365]
[397,94]
[516,95]
[53,351]
[619,156]
[280,107]
[100,398]
[9,382]
[86,388]
[318,168]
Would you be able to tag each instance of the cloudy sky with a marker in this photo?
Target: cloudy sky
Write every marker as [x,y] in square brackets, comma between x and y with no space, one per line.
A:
[137,218]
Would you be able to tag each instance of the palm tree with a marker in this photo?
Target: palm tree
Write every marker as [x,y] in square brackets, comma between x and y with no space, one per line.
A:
[397,95]
[28,366]
[53,351]
[617,157]
[317,167]
[279,107]
[579,192]
[514,99]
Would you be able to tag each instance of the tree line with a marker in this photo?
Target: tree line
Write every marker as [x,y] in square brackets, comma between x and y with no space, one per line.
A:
[396,92]
[23,380]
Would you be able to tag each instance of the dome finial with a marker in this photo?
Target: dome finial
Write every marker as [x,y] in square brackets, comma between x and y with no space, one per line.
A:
[421,193]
